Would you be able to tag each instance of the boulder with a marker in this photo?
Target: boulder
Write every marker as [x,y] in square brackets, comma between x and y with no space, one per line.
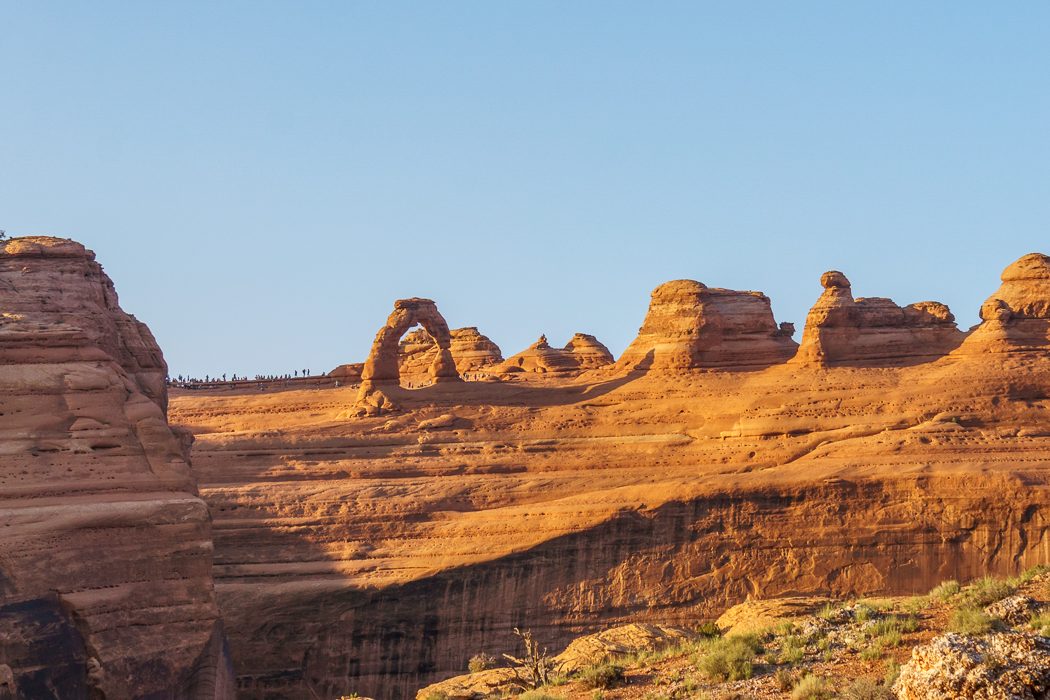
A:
[1000,666]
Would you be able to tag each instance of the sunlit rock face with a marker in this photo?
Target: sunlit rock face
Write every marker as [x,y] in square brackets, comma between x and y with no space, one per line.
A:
[690,325]
[1017,316]
[106,555]
[378,554]
[840,329]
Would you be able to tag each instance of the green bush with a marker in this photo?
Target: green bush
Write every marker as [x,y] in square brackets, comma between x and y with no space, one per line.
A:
[729,658]
[945,590]
[1034,571]
[863,612]
[784,679]
[812,688]
[708,629]
[602,676]
[829,612]
[1040,624]
[866,689]
[970,621]
[985,591]
[893,670]
[792,650]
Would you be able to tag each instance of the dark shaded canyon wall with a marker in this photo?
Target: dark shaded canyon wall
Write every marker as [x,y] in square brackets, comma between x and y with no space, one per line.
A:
[682,561]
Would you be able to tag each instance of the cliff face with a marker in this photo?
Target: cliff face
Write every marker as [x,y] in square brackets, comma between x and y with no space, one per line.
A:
[107,549]
[377,555]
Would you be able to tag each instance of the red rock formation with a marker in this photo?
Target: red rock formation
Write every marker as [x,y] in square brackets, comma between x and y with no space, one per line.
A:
[105,562]
[582,352]
[588,352]
[690,325]
[377,555]
[471,351]
[841,329]
[1017,316]
[382,366]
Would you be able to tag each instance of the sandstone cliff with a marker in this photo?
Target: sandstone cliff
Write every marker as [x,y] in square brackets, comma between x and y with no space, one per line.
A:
[377,555]
[690,325]
[105,563]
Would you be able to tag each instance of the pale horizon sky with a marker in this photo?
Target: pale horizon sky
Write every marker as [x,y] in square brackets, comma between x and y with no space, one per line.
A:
[263,179]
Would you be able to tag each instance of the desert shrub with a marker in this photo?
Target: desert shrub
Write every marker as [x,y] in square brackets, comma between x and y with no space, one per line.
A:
[538,695]
[985,591]
[894,627]
[1034,571]
[812,688]
[969,620]
[784,628]
[829,612]
[872,652]
[889,639]
[708,629]
[792,650]
[481,662]
[729,658]
[597,695]
[893,669]
[601,676]
[945,590]
[784,679]
[1040,624]
[866,689]
[863,612]
[916,604]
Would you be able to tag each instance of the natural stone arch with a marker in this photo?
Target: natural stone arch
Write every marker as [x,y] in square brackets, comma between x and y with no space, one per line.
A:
[381,368]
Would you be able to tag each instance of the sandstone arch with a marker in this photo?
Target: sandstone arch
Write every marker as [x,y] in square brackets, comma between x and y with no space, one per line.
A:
[381,368]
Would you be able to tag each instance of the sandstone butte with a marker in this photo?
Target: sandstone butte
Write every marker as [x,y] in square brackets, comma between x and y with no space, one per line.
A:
[371,538]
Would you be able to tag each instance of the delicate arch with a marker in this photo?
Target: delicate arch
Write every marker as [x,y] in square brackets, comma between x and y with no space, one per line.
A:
[381,367]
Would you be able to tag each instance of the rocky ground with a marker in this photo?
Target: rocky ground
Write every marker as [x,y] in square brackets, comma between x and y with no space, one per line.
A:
[985,640]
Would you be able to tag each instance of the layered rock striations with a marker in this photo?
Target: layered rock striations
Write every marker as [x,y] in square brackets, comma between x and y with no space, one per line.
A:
[581,353]
[841,329]
[690,325]
[1017,316]
[105,563]
[471,351]
[378,555]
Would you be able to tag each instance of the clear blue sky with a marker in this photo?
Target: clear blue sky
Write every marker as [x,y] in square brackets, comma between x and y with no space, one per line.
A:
[263,179]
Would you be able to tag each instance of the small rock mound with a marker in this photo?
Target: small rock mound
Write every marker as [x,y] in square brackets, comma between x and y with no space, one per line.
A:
[618,642]
[1001,666]
[1015,610]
